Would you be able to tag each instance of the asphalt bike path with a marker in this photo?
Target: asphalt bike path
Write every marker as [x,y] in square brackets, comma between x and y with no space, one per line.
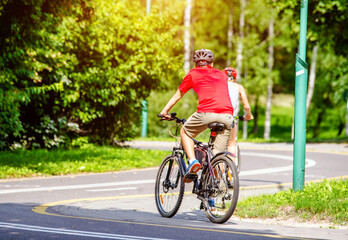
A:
[125,199]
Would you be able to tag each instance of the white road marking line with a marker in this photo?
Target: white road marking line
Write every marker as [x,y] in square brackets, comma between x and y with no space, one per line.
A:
[70,232]
[309,163]
[111,189]
[138,182]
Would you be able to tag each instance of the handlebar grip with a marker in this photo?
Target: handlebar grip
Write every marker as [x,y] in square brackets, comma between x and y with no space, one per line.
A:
[241,118]
[160,115]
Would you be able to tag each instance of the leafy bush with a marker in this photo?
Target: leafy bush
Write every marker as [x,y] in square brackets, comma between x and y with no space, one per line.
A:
[86,63]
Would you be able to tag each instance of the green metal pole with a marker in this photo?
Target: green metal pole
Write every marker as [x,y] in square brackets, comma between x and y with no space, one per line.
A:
[300,103]
[144,119]
[144,103]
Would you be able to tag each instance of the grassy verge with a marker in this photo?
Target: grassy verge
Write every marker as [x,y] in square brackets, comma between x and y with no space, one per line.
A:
[87,159]
[317,202]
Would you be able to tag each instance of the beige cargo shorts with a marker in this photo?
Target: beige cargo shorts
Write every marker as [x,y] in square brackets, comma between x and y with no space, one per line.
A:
[198,122]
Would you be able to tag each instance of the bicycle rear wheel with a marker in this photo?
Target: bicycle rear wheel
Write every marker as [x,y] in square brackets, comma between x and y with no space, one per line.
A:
[169,187]
[222,190]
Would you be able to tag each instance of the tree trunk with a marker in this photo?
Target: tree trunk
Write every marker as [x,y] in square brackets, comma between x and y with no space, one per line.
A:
[240,54]
[187,36]
[229,38]
[240,42]
[292,129]
[256,115]
[267,130]
[245,123]
[312,77]
[318,122]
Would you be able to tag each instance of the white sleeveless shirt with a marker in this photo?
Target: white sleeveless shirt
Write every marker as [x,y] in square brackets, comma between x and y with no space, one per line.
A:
[234,96]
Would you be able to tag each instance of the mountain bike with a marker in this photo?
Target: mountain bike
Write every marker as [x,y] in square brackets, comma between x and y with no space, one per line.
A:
[216,184]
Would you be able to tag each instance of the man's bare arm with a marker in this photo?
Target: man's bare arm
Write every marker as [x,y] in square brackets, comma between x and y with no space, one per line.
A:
[176,97]
[245,103]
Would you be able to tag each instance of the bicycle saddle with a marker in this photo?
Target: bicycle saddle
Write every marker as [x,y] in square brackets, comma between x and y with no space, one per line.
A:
[217,126]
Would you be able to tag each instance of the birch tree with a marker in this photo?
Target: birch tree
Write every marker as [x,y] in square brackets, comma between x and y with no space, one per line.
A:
[312,77]
[240,40]
[240,54]
[187,35]
[229,37]
[267,131]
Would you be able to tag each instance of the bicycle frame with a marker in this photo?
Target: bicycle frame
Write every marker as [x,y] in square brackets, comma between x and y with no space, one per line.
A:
[180,153]
[217,185]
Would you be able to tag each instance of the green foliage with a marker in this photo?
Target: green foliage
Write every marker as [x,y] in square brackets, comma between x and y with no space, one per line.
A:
[118,65]
[328,106]
[30,77]
[326,21]
[90,63]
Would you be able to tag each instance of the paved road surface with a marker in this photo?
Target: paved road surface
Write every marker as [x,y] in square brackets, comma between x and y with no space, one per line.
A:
[120,205]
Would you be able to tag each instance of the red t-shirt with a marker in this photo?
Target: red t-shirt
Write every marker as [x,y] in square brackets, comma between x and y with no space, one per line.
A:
[210,84]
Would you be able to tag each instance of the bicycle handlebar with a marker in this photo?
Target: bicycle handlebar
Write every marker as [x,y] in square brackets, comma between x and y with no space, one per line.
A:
[241,118]
[172,117]
[183,120]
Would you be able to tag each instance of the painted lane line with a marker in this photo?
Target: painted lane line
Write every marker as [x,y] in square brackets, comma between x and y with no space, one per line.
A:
[69,187]
[309,163]
[71,232]
[111,189]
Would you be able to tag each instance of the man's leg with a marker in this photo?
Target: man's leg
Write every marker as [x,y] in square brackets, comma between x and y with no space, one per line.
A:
[194,165]
[188,144]
[231,147]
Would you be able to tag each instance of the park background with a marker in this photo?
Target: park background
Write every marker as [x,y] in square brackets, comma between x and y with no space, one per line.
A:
[73,69]
[74,76]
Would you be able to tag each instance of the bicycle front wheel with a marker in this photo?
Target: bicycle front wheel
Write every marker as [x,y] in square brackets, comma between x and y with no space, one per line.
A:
[169,187]
[222,187]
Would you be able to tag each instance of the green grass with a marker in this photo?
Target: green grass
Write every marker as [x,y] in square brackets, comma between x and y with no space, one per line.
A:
[324,201]
[87,159]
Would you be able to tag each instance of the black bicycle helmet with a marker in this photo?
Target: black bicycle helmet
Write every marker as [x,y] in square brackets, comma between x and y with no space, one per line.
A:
[203,55]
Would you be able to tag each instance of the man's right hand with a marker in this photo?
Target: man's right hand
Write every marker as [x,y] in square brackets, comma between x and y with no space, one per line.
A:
[248,117]
[165,115]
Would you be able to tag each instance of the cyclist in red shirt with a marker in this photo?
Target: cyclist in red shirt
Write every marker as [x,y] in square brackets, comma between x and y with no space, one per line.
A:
[214,105]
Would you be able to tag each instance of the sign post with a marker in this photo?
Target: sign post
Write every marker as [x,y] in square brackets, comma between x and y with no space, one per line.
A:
[300,103]
[144,104]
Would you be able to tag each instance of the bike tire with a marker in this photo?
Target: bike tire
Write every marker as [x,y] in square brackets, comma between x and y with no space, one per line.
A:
[224,191]
[169,192]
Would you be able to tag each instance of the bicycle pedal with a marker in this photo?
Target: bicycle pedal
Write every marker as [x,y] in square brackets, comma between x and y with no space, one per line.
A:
[191,176]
